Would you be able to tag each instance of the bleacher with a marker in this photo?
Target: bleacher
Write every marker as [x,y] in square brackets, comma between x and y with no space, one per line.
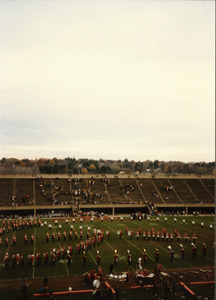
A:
[183,191]
[168,191]
[103,191]
[116,192]
[132,191]
[199,191]
[148,190]
[6,192]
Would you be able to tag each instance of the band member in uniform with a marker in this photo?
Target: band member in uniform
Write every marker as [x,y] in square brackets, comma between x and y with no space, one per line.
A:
[64,235]
[157,255]
[115,257]
[53,236]
[193,250]
[84,258]
[25,238]
[59,236]
[45,257]
[204,249]
[21,261]
[47,236]
[140,263]
[32,238]
[98,257]
[129,257]
[145,255]
[38,259]
[14,240]
[182,251]
[70,235]
[94,241]
[69,257]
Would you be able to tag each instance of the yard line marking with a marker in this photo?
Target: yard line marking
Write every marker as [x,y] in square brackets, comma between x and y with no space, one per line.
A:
[90,252]
[133,245]
[33,272]
[113,249]
[64,260]
[8,248]
[92,257]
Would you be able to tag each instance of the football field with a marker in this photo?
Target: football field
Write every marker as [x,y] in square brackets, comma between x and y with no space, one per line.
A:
[33,267]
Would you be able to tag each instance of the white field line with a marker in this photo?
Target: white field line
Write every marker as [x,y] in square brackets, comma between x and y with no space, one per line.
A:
[8,248]
[133,245]
[90,252]
[113,249]
[33,272]
[64,260]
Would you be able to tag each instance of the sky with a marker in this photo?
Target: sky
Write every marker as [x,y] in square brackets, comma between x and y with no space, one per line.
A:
[107,79]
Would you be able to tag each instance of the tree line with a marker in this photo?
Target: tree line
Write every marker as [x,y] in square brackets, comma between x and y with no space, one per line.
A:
[90,166]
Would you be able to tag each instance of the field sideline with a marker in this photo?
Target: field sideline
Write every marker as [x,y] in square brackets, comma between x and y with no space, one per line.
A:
[136,246]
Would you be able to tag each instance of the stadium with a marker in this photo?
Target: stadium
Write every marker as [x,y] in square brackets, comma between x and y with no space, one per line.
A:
[143,235]
[107,150]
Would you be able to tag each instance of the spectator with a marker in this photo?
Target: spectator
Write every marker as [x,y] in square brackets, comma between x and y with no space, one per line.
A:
[24,289]
[45,281]
[117,292]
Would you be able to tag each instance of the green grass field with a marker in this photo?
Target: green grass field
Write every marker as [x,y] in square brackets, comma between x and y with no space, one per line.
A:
[204,235]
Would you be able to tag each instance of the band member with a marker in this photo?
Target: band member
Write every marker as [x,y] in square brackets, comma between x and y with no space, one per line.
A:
[171,254]
[25,238]
[140,263]
[98,258]
[84,258]
[14,240]
[129,257]
[47,236]
[193,250]
[59,236]
[45,257]
[53,236]
[94,241]
[145,255]
[115,257]
[38,259]
[69,257]
[63,252]
[204,249]
[194,237]
[78,248]
[171,236]
[157,254]
[64,235]
[21,261]
[32,238]
[186,237]
[182,251]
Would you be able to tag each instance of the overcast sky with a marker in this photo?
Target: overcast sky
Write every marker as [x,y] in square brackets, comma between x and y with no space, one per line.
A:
[107,79]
